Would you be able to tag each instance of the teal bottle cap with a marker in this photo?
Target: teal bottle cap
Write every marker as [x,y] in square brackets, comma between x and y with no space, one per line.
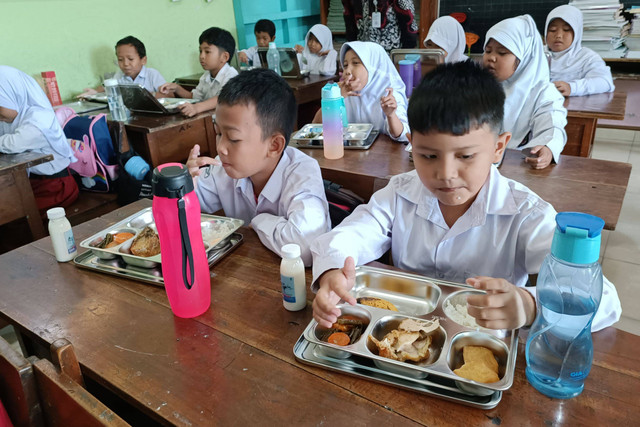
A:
[413,57]
[406,62]
[331,91]
[577,237]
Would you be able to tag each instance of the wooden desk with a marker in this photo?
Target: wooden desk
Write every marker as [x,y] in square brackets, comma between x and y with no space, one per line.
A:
[234,365]
[576,184]
[583,113]
[632,114]
[16,193]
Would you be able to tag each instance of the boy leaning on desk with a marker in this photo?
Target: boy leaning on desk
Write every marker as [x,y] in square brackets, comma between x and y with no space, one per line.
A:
[455,217]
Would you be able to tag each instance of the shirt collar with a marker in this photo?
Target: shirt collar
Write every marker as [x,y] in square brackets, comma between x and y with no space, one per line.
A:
[218,78]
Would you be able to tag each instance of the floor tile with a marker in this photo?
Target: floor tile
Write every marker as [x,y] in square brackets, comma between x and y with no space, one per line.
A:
[616,151]
[628,325]
[8,333]
[626,278]
[617,134]
[624,243]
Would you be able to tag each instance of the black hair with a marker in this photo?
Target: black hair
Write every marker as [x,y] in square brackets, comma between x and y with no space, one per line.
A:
[265,26]
[272,96]
[457,98]
[142,51]
[220,38]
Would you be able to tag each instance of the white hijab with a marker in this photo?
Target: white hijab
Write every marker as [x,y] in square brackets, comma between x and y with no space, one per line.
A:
[323,34]
[571,63]
[382,74]
[447,33]
[530,81]
[20,92]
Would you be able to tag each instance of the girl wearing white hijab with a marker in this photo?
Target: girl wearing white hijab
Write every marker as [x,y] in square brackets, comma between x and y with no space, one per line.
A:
[318,51]
[533,109]
[575,70]
[28,123]
[373,90]
[447,34]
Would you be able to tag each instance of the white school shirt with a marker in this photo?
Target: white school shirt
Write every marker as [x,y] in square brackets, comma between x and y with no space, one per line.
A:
[505,233]
[292,207]
[208,86]
[252,55]
[583,69]
[149,78]
[324,65]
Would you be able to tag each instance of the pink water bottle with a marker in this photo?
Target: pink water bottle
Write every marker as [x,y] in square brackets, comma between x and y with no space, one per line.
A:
[176,211]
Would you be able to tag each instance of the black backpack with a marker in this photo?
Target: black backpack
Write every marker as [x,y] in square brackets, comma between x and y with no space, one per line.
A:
[341,201]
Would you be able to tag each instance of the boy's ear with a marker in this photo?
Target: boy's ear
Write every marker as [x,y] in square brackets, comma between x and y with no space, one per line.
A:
[501,145]
[273,38]
[225,56]
[277,143]
[144,60]
[409,137]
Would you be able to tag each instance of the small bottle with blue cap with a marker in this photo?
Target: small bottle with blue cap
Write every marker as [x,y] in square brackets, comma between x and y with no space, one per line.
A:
[559,349]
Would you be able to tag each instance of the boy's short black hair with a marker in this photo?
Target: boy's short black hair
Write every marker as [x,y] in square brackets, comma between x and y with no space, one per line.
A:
[220,38]
[265,26]
[142,51]
[457,98]
[272,96]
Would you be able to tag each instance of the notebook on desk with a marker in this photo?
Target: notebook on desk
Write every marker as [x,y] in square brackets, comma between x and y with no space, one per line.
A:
[289,65]
[139,100]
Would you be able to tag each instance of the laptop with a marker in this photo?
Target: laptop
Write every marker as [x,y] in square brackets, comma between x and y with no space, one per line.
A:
[139,100]
[289,65]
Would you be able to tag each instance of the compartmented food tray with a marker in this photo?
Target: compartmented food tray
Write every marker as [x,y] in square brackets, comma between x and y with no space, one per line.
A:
[118,267]
[141,224]
[173,103]
[419,301]
[357,136]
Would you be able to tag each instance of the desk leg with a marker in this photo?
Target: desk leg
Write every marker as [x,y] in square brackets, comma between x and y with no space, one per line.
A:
[581,132]
[29,202]
[211,136]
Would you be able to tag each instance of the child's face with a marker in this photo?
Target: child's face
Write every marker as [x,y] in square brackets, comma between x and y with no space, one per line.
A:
[129,60]
[559,35]
[432,45]
[243,151]
[263,38]
[314,45]
[7,115]
[499,60]
[355,69]
[211,58]
[454,168]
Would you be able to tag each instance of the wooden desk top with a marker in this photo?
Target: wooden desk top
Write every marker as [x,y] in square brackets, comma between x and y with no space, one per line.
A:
[149,123]
[601,106]
[576,184]
[632,114]
[235,365]
[11,162]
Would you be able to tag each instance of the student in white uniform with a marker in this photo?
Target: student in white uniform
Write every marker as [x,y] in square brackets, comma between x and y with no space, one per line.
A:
[454,217]
[575,70]
[265,32]
[28,123]
[447,34]
[318,52]
[533,111]
[216,50]
[276,189]
[132,60]
[373,90]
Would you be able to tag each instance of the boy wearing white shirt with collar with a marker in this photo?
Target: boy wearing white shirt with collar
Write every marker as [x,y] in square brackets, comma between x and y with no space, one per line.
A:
[276,189]
[216,50]
[455,217]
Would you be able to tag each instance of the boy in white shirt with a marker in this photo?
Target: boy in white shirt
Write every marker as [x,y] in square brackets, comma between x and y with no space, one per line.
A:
[265,32]
[276,189]
[216,50]
[455,217]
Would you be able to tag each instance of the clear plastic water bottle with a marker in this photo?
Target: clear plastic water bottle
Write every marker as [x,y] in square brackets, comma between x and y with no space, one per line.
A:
[273,58]
[559,349]
[116,105]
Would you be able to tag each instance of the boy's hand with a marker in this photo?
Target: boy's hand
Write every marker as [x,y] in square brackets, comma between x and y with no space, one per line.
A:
[334,286]
[563,87]
[87,92]
[242,57]
[298,48]
[194,162]
[347,83]
[388,103]
[541,157]
[188,109]
[504,306]
[168,88]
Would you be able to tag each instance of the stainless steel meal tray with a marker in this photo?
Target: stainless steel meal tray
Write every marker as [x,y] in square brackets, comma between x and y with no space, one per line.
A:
[117,266]
[357,136]
[173,103]
[214,230]
[419,297]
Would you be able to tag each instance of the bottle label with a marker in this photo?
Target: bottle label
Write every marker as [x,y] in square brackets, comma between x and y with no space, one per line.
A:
[70,241]
[288,288]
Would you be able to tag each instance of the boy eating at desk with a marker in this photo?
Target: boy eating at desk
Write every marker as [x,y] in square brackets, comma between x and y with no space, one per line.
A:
[455,217]
[216,50]
[276,189]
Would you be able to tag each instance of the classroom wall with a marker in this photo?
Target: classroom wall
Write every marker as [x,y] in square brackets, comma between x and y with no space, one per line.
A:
[76,38]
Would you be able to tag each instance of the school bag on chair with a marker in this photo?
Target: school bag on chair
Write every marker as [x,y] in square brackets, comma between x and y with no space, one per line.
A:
[129,188]
[341,201]
[91,144]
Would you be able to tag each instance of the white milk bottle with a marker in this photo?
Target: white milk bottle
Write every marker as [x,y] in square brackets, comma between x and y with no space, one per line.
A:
[64,245]
[292,277]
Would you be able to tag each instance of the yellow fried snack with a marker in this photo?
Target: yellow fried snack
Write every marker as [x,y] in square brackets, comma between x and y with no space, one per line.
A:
[377,302]
[479,365]
[474,353]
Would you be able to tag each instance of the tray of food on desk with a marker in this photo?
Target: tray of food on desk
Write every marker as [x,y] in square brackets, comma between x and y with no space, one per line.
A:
[173,103]
[415,331]
[100,97]
[357,136]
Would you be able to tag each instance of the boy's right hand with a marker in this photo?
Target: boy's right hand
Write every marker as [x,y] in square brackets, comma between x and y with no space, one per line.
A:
[168,88]
[242,57]
[194,162]
[334,286]
[87,92]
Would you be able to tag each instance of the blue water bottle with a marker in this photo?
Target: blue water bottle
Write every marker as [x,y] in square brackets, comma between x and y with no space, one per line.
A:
[559,348]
